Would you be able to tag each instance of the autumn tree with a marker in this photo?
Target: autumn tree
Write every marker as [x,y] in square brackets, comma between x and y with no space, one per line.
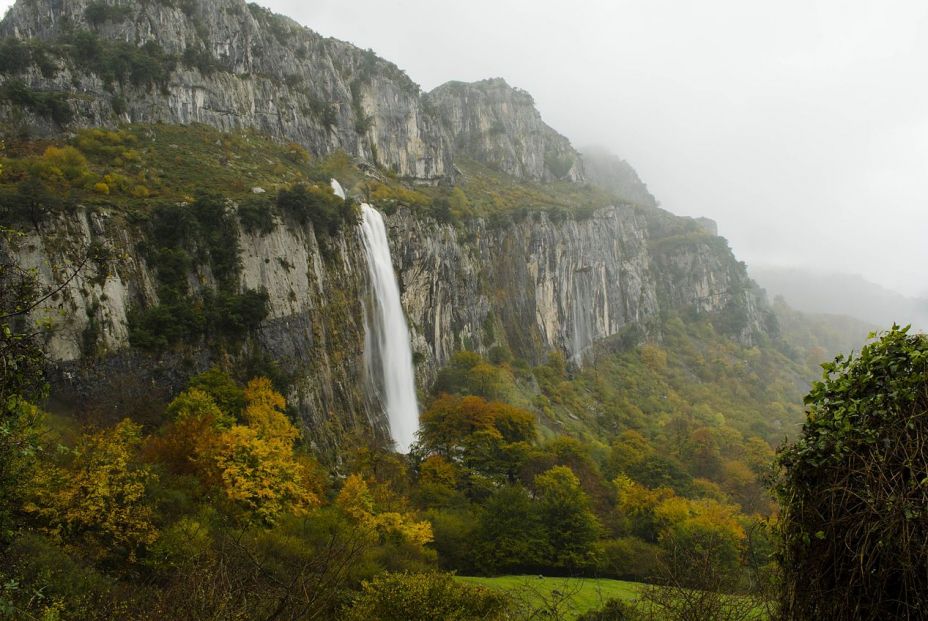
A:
[356,501]
[99,494]
[487,439]
[254,464]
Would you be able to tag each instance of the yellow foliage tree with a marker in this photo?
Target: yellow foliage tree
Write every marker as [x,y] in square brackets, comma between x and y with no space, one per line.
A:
[255,463]
[264,412]
[260,475]
[356,500]
[100,494]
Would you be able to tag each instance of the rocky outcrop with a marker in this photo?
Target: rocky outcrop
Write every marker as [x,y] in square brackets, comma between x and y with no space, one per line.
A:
[498,125]
[225,64]
[529,283]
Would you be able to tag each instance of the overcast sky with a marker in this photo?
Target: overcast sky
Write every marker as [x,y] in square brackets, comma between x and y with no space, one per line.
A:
[801,126]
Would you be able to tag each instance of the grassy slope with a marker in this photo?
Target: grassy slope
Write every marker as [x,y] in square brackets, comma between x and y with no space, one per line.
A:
[583,594]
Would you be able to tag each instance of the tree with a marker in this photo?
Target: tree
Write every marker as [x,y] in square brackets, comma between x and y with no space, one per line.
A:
[488,439]
[570,526]
[22,377]
[253,464]
[853,491]
[100,494]
[511,536]
[357,502]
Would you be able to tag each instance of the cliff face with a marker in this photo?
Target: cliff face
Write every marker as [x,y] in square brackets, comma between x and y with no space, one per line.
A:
[614,174]
[232,66]
[498,125]
[537,285]
[530,286]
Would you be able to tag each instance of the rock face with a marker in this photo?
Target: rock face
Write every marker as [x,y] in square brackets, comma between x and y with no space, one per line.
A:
[233,66]
[529,286]
[538,285]
[498,125]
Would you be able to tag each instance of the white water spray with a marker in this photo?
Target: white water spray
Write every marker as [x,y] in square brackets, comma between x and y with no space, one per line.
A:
[387,353]
[338,189]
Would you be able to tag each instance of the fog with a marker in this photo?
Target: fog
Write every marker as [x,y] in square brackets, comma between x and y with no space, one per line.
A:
[800,126]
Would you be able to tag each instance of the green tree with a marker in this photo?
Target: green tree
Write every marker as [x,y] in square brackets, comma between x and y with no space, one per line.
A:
[511,536]
[570,526]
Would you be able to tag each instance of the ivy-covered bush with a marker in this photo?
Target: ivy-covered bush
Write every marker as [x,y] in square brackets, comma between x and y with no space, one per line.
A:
[854,489]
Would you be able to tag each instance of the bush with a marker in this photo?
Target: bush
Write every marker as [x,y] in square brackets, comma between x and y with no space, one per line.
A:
[256,215]
[14,56]
[319,205]
[426,597]
[630,558]
[612,610]
[853,490]
[98,13]
[50,105]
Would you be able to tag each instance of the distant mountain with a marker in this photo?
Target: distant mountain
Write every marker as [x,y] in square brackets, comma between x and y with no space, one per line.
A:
[615,175]
[841,294]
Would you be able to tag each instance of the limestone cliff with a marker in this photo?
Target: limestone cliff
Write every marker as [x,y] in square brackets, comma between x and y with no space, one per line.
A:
[226,64]
[499,125]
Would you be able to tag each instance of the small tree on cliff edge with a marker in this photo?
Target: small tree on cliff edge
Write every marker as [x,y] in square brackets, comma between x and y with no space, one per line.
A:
[854,489]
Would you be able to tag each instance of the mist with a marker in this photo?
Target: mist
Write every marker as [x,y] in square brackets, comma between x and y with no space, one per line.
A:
[800,127]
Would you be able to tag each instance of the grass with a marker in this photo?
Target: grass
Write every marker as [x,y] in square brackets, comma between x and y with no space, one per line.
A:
[576,595]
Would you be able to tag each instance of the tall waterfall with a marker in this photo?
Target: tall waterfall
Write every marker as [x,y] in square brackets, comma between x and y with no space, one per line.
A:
[387,353]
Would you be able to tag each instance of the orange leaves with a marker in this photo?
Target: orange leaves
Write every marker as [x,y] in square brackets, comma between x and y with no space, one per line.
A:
[451,419]
[252,463]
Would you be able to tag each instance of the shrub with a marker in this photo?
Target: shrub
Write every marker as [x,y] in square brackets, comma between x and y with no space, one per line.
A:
[256,215]
[426,597]
[98,13]
[14,56]
[50,105]
[853,490]
[319,205]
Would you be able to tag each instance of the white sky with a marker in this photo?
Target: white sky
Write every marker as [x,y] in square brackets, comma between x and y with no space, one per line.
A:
[801,126]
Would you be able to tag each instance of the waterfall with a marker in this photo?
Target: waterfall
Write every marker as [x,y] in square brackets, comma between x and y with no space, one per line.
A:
[387,353]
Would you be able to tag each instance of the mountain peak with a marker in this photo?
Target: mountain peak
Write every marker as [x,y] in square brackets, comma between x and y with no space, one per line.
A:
[498,125]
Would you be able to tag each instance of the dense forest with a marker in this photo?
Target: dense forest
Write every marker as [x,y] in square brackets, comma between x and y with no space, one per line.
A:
[216,507]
